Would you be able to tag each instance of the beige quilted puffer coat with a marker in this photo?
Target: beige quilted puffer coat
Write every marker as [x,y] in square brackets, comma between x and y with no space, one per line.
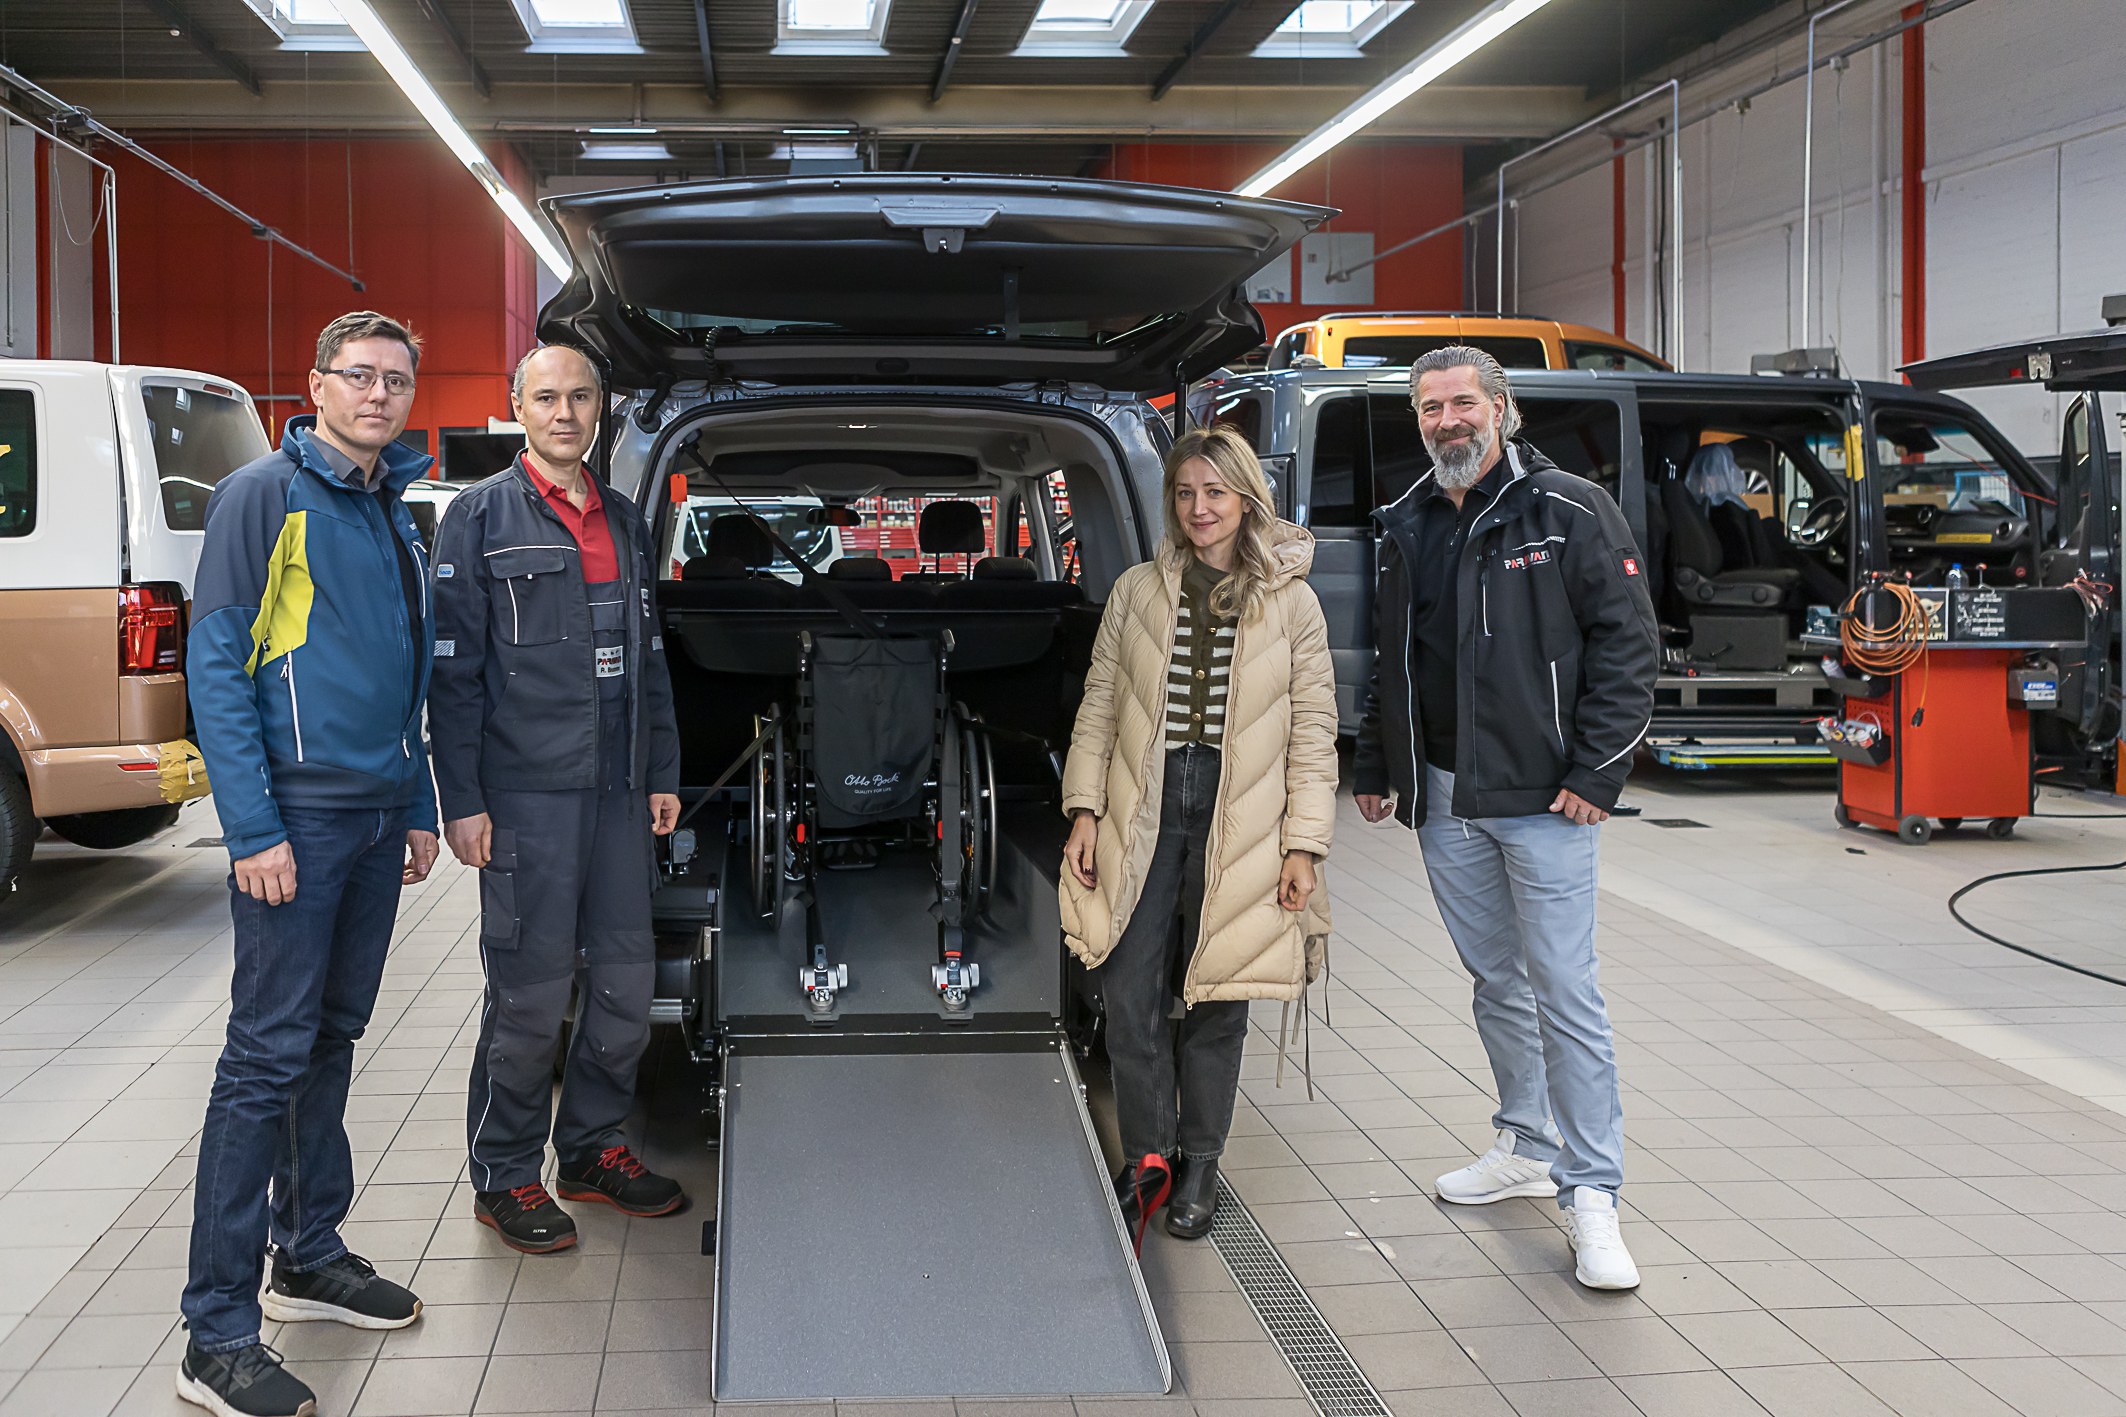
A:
[1276,785]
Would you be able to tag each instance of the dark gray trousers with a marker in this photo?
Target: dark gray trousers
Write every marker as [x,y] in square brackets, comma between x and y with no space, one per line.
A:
[565,898]
[1139,980]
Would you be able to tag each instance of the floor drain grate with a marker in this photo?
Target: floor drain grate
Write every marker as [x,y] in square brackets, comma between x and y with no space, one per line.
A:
[1324,1366]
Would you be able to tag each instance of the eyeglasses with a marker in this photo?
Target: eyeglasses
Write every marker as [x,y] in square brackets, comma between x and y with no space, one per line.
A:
[364,379]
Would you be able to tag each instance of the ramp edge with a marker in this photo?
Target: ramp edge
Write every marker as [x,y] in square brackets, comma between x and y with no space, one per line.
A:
[1114,1210]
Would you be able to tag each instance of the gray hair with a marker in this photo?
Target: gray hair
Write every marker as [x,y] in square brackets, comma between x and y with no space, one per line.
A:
[1490,377]
[516,380]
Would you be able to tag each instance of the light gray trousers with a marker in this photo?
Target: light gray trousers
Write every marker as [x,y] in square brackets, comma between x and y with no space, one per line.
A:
[1517,895]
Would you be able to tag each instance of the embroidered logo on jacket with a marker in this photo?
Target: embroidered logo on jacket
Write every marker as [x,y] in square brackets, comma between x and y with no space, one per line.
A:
[1522,563]
[1631,566]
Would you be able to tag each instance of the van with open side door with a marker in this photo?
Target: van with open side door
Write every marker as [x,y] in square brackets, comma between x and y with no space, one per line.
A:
[105,472]
[884,995]
[1755,500]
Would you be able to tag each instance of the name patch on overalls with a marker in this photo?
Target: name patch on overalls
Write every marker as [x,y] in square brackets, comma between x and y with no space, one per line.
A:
[609,661]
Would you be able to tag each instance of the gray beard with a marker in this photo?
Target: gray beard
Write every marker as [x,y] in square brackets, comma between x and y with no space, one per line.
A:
[1461,466]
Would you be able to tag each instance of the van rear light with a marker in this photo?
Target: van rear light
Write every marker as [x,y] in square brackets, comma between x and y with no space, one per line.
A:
[150,632]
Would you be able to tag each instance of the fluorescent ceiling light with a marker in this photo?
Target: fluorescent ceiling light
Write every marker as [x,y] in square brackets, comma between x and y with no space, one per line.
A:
[397,63]
[816,132]
[637,131]
[627,152]
[1488,24]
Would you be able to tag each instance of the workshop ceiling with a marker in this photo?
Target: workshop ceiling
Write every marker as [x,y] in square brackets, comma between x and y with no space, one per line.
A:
[211,64]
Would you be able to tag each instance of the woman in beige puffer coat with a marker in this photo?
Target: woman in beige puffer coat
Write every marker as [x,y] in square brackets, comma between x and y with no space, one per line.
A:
[1202,786]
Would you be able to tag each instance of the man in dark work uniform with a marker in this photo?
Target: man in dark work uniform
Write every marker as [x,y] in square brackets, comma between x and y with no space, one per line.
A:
[542,588]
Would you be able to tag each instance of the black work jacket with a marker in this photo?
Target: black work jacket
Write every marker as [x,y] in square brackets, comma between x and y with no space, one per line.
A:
[513,700]
[1557,651]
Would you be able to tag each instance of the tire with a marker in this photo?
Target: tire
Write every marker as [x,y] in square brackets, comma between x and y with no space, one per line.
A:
[1915,831]
[2001,828]
[107,831]
[1950,824]
[18,830]
[1840,815]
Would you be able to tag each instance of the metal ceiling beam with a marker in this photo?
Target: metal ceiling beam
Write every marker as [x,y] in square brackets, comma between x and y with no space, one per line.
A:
[954,45]
[186,28]
[456,42]
[1204,34]
[708,58]
[1104,113]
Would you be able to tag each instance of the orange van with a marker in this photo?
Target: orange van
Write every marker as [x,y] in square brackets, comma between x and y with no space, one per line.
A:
[1364,339]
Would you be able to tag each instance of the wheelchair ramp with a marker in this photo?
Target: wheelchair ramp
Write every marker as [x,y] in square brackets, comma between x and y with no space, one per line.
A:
[921,1225]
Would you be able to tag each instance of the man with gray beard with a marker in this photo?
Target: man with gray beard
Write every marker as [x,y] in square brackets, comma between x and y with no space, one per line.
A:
[1515,654]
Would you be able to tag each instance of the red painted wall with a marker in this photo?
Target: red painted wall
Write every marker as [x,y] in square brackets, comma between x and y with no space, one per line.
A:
[1394,190]
[430,247]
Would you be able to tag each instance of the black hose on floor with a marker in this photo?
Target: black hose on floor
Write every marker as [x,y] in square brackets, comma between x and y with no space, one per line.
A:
[2025,949]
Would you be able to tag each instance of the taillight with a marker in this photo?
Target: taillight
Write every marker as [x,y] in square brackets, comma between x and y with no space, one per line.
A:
[150,629]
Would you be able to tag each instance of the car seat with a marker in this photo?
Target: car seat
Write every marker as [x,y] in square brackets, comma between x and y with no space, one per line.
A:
[950,528]
[1703,575]
[1007,583]
[731,573]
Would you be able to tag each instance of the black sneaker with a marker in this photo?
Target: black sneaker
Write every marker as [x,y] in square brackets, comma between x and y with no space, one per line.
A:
[347,1290]
[244,1382]
[526,1218]
[617,1178]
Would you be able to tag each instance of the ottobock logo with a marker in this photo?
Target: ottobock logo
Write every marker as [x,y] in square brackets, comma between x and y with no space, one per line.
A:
[1522,563]
[875,782]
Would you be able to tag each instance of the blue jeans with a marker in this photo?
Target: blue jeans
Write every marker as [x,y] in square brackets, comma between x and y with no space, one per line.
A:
[1517,895]
[306,979]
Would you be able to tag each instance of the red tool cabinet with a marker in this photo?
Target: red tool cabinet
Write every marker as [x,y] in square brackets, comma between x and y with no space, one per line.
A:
[1967,757]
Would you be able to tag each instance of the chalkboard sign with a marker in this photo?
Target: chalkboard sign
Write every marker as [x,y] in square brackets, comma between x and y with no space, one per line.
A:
[1979,613]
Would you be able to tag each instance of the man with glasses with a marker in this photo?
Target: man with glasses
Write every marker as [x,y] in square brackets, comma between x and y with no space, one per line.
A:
[308,666]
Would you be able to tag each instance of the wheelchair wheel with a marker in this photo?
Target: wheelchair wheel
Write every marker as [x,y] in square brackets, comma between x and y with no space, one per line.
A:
[770,823]
[978,814]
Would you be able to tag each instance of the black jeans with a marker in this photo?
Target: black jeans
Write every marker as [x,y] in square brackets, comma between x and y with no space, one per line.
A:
[1139,980]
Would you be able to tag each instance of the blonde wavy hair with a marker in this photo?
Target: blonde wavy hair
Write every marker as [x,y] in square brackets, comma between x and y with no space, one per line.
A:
[1244,589]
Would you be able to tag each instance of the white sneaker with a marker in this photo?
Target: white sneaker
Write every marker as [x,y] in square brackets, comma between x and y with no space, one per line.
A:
[1497,1175]
[1602,1262]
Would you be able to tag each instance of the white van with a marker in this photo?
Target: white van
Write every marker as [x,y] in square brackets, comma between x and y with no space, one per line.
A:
[105,472]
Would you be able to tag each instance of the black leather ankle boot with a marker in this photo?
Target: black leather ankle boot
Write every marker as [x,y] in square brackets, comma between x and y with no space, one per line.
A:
[1195,1199]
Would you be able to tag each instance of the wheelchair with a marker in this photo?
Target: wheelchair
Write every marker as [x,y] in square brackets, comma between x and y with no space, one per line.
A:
[874,756]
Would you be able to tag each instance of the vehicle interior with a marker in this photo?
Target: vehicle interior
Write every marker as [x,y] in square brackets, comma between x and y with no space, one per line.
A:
[1747,527]
[954,562]
[1951,499]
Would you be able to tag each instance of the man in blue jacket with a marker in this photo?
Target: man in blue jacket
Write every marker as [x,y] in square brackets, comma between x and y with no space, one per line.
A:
[308,667]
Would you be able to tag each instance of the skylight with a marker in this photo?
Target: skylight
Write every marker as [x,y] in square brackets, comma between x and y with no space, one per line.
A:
[1087,27]
[306,24]
[830,26]
[570,26]
[1320,28]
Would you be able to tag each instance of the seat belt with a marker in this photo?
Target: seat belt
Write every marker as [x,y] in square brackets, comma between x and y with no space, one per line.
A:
[831,593]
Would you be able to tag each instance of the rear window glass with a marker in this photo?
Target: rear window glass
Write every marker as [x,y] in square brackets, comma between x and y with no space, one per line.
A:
[1341,491]
[1243,414]
[18,462]
[1398,351]
[198,439]
[1930,457]
[1609,356]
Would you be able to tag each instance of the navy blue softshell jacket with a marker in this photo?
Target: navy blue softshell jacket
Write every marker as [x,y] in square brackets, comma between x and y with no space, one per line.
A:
[306,681]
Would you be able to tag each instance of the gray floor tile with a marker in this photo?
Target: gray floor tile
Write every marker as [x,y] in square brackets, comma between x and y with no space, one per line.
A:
[1693,1394]
[1525,1353]
[446,1331]
[1624,1347]
[1412,1361]
[2039,1386]
[678,1378]
[1852,1335]
[1810,1390]
[1484,1401]
[1580,1397]
[554,1382]
[1232,1370]
[1357,1310]
[567,1326]
[1962,1331]
[1935,1387]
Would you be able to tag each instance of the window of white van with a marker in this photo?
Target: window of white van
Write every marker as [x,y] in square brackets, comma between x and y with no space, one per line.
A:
[18,462]
[199,438]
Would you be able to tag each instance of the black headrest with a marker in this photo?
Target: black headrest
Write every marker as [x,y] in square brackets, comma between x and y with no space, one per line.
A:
[713,568]
[1004,568]
[859,568]
[951,529]
[737,535]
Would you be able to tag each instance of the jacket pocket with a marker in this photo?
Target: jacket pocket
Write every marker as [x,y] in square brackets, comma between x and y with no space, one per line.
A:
[498,892]
[531,593]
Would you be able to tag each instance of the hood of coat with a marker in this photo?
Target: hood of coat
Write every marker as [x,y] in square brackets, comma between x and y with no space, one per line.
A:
[1292,551]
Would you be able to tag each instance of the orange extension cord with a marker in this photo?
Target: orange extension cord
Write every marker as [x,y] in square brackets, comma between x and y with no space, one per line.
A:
[1894,648]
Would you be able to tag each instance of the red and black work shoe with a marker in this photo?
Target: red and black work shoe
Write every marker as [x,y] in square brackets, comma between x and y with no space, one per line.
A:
[526,1218]
[1142,1188]
[617,1178]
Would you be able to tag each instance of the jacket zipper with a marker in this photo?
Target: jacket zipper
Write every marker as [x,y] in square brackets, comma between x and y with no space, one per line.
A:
[1156,754]
[1211,842]
[1557,713]
[295,713]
